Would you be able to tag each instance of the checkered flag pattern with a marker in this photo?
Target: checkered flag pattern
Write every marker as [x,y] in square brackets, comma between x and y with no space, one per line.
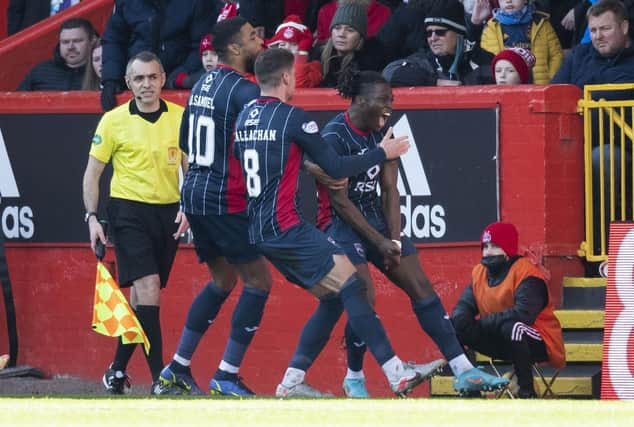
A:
[112,315]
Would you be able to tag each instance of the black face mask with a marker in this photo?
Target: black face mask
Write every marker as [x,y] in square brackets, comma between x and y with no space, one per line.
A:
[494,263]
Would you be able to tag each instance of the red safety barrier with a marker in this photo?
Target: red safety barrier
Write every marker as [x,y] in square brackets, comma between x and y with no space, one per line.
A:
[541,191]
[36,44]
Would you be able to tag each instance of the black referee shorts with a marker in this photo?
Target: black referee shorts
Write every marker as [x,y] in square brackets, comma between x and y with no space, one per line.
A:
[142,237]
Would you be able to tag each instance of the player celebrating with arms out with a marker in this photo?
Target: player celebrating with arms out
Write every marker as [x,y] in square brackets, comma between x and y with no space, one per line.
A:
[368,227]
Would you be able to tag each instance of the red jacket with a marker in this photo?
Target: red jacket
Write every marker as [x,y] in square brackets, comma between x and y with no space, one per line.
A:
[307,73]
[377,15]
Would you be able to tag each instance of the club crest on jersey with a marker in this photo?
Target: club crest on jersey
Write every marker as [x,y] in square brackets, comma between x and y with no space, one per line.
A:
[96,140]
[310,127]
[172,155]
[359,248]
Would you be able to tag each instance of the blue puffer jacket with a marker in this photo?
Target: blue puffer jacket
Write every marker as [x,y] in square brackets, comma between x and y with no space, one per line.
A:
[585,66]
[170,28]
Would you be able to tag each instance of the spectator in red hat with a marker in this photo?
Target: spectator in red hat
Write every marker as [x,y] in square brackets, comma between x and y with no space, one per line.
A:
[507,312]
[513,66]
[295,37]
[181,79]
[208,54]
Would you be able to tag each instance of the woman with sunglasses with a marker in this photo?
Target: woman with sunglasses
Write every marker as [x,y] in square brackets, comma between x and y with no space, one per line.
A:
[449,60]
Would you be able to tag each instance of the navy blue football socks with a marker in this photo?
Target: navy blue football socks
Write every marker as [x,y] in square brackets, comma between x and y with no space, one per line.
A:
[355,349]
[434,320]
[363,319]
[316,332]
[245,321]
[201,315]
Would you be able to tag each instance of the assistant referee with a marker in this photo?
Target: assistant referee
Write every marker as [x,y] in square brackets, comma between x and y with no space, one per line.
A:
[140,138]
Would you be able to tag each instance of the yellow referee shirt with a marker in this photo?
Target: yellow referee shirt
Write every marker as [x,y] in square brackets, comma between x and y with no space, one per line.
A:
[145,156]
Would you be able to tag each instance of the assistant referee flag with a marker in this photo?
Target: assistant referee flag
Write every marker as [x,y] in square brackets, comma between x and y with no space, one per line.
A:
[112,315]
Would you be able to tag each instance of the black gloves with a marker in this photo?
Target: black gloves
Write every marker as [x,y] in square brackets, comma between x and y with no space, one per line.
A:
[108,95]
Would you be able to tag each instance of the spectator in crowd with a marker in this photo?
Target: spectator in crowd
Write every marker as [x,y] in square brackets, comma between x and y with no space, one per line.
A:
[377,15]
[349,45]
[92,76]
[143,210]
[180,79]
[450,60]
[404,33]
[296,38]
[506,312]
[609,58]
[518,24]
[513,66]
[576,19]
[171,29]
[66,70]
[22,14]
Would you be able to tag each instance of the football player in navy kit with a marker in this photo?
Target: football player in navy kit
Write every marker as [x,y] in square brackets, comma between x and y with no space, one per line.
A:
[213,198]
[368,227]
[270,139]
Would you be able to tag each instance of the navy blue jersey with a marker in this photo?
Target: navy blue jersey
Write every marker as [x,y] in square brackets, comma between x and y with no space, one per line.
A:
[347,140]
[270,139]
[214,184]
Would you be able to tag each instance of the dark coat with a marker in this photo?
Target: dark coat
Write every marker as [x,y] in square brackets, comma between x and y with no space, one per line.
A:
[53,74]
[423,68]
[172,29]
[371,57]
[585,66]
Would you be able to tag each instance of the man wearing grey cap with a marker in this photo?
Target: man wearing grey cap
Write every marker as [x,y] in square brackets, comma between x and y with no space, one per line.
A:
[449,59]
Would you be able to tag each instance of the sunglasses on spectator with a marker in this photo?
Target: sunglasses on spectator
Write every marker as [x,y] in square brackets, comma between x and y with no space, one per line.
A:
[439,32]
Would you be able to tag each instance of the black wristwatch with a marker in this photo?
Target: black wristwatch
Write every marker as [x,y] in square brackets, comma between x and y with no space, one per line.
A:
[88,215]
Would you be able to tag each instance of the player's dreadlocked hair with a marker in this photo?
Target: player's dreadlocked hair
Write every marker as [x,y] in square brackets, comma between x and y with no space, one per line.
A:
[353,82]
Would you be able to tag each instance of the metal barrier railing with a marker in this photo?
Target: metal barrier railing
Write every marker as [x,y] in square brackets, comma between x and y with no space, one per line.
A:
[608,139]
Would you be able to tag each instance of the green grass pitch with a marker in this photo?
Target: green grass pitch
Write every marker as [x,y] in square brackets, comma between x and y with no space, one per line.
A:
[326,412]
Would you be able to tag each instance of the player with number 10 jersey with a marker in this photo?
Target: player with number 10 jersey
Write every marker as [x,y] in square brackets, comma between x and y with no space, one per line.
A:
[214,184]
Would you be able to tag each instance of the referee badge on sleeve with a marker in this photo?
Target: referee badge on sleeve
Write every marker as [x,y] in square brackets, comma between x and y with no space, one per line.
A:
[96,140]
[172,155]
[310,127]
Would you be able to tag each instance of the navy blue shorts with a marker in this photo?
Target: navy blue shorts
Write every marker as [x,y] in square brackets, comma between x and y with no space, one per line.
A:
[222,235]
[303,254]
[359,250]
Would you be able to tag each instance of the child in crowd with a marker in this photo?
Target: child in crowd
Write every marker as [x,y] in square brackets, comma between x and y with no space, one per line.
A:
[208,55]
[513,66]
[179,79]
[516,23]
[295,37]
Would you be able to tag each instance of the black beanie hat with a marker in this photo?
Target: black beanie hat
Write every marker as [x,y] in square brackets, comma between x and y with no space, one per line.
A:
[448,14]
[351,14]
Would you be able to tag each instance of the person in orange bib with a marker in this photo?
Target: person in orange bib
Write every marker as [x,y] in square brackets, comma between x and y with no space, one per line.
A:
[507,312]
